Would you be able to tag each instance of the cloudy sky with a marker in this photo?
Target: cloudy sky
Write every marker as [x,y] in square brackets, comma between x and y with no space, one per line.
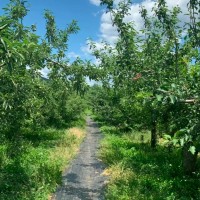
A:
[94,23]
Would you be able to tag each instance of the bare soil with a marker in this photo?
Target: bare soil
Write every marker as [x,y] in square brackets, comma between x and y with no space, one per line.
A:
[84,179]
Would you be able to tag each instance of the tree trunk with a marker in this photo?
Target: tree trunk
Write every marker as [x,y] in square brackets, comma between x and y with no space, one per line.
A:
[153,129]
[153,134]
[189,159]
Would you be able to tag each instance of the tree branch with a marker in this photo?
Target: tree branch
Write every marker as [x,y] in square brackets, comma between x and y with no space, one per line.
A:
[57,63]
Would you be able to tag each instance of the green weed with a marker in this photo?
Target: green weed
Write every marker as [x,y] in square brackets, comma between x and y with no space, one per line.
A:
[137,172]
[31,167]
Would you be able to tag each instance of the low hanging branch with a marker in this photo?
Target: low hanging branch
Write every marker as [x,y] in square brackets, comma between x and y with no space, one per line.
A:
[188,101]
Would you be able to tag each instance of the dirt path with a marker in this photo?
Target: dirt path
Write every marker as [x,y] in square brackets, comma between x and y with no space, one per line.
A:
[84,179]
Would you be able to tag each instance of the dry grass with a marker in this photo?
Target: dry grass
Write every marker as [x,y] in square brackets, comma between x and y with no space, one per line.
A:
[107,172]
[77,132]
[68,147]
[117,173]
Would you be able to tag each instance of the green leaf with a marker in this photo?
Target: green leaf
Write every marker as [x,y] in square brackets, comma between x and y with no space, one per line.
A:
[154,103]
[3,27]
[186,137]
[4,45]
[192,149]
[175,141]
[167,137]
[172,99]
[182,141]
[159,97]
[173,85]
[5,105]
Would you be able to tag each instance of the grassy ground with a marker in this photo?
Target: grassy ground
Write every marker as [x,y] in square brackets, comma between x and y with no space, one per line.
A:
[137,172]
[31,167]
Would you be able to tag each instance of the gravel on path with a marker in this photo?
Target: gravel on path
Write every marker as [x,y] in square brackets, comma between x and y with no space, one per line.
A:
[84,180]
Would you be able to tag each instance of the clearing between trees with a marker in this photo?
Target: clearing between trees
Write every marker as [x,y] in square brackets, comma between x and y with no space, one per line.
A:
[84,179]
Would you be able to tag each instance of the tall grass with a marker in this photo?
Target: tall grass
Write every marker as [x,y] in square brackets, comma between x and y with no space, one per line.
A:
[137,172]
[31,167]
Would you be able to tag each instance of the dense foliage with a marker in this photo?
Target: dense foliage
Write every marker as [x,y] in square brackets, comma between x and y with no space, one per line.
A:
[30,103]
[148,80]
[138,172]
[151,78]
[27,98]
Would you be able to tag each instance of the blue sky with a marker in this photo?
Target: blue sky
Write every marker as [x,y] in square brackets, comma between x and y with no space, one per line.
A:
[87,14]
[93,21]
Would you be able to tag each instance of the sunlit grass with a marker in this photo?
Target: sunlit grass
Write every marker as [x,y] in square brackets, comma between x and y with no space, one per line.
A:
[31,168]
[137,172]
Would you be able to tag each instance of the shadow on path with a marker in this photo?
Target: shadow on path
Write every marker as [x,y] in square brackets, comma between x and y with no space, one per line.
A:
[84,179]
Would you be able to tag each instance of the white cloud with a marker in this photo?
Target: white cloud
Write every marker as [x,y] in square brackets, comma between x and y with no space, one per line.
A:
[109,33]
[73,55]
[135,15]
[97,62]
[98,45]
[86,48]
[149,4]
[183,5]
[95,2]
[44,72]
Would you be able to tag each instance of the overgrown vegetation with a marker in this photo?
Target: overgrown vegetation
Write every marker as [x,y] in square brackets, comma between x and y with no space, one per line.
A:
[150,84]
[149,81]
[35,110]
[138,172]
[32,167]
[150,77]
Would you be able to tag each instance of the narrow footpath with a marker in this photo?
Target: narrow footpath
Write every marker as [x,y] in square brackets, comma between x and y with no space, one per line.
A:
[84,179]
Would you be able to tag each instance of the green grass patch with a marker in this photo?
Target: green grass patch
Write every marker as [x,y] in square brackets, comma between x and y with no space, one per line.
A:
[137,172]
[31,166]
